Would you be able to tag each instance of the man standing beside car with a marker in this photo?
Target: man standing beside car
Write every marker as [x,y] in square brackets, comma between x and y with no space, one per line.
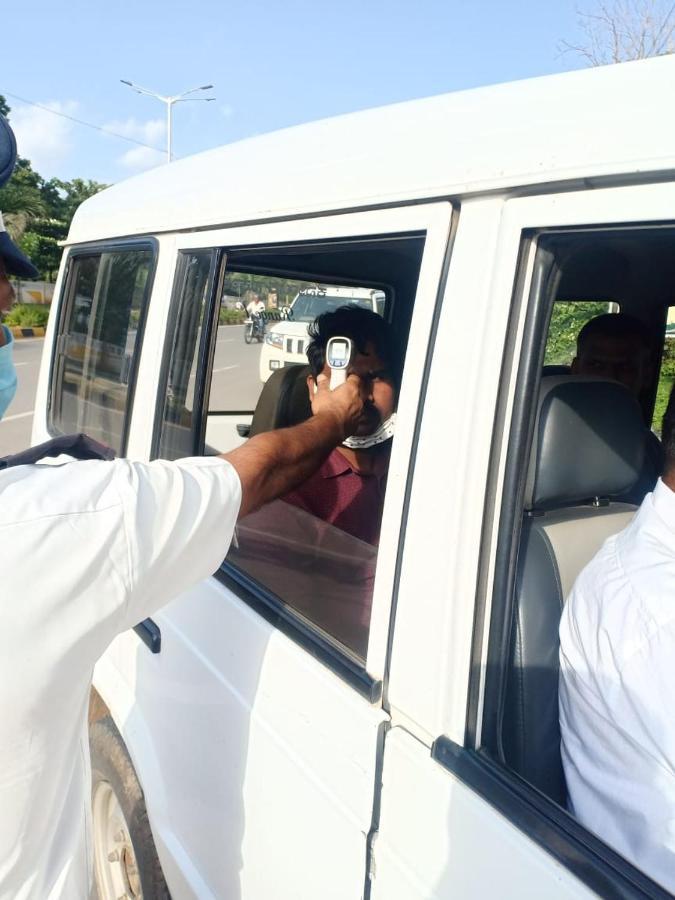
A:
[88,549]
[12,262]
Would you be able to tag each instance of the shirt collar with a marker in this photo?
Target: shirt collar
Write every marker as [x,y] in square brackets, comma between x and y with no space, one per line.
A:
[337,464]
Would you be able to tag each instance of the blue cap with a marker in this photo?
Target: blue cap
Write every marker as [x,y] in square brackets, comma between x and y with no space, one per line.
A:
[15,262]
[7,150]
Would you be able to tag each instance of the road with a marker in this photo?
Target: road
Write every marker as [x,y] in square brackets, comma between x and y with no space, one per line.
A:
[236,383]
[16,426]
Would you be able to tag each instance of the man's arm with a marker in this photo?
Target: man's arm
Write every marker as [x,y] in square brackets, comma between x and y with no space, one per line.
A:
[271,464]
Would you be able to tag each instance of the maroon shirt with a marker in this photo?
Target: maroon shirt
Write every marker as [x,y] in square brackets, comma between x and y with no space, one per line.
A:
[345,498]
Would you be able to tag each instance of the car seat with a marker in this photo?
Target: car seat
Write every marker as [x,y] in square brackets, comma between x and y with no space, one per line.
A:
[587,450]
[284,400]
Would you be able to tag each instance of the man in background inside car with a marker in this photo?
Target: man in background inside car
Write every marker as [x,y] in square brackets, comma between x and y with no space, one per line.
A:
[617,671]
[617,346]
[347,491]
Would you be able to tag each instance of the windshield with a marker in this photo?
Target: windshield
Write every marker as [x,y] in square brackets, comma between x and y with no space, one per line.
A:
[306,307]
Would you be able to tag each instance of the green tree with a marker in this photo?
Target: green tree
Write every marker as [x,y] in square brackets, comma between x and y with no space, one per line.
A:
[21,199]
[38,213]
[567,320]
[5,110]
[43,234]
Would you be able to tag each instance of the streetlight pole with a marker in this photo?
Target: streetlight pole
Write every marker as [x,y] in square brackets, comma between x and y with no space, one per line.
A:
[176,98]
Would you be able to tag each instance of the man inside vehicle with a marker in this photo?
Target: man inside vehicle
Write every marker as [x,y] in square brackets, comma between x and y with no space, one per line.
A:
[617,346]
[348,489]
[617,667]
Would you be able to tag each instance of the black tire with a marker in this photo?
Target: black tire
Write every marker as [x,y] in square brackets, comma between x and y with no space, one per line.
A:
[248,334]
[111,768]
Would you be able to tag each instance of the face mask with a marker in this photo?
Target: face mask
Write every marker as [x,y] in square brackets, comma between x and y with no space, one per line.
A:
[383,433]
[7,375]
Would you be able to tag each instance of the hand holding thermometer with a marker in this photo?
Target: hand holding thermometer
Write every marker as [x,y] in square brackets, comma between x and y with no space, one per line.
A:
[338,357]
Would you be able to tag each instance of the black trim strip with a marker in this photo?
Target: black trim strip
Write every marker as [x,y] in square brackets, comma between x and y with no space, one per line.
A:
[207,350]
[176,302]
[594,863]
[149,632]
[545,276]
[290,623]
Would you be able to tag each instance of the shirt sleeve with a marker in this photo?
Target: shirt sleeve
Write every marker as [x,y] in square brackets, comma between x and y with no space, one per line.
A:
[7,371]
[179,518]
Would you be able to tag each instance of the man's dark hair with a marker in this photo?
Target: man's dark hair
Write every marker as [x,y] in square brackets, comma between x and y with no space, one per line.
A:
[361,325]
[668,434]
[618,325]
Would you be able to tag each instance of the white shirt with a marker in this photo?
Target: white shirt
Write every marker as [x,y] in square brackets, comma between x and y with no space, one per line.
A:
[87,550]
[255,307]
[617,690]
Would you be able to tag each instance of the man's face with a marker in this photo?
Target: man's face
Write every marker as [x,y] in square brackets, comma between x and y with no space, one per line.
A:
[622,359]
[6,289]
[380,389]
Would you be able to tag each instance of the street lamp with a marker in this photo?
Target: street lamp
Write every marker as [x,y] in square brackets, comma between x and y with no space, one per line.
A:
[177,98]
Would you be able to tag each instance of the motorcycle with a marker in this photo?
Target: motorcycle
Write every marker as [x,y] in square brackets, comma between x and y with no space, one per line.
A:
[254,328]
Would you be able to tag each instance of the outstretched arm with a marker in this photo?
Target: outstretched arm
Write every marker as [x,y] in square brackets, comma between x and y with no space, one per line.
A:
[272,464]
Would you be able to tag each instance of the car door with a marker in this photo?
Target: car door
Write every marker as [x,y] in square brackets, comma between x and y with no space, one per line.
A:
[255,730]
[455,819]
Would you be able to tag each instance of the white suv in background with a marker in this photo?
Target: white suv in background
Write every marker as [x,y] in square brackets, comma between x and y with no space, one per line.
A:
[286,341]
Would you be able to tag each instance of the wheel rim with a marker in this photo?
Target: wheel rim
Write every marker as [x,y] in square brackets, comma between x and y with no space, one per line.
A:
[115,865]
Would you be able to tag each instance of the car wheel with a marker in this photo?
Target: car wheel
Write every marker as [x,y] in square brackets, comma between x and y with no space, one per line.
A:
[125,860]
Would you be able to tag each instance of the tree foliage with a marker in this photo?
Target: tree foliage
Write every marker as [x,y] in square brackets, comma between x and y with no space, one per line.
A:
[616,31]
[567,320]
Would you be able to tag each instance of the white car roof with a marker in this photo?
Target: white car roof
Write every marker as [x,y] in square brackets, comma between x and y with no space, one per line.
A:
[608,121]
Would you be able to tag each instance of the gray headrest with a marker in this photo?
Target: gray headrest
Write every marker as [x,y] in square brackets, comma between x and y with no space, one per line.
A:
[589,441]
[284,400]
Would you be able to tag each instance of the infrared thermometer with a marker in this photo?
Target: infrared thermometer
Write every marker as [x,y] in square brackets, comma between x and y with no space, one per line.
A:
[338,357]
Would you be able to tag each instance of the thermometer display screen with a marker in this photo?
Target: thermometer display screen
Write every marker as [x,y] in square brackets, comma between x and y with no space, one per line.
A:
[338,354]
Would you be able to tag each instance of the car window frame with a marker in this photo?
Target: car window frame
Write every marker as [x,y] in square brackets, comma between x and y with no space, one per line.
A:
[98,248]
[203,363]
[340,659]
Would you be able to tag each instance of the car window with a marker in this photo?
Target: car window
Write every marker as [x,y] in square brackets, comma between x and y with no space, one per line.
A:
[666,373]
[179,433]
[567,320]
[311,303]
[572,479]
[306,554]
[98,343]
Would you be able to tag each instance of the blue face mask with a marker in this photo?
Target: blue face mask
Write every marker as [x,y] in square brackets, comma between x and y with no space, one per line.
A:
[7,372]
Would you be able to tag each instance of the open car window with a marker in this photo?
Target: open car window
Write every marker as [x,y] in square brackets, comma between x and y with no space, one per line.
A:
[237,365]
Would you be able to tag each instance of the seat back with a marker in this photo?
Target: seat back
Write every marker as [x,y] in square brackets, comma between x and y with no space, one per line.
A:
[284,400]
[588,447]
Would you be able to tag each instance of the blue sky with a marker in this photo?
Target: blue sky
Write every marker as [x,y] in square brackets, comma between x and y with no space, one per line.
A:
[273,63]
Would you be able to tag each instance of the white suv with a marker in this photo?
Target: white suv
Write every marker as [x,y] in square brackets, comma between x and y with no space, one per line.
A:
[286,341]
